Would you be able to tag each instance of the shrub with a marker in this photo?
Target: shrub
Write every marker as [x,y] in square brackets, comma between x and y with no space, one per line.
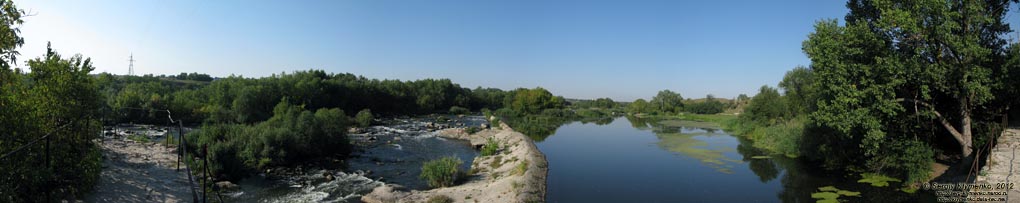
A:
[912,158]
[440,199]
[781,138]
[441,172]
[472,130]
[364,118]
[491,147]
[292,135]
[139,138]
[459,110]
[707,107]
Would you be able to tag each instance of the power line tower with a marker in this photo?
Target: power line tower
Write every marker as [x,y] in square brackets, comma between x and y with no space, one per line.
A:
[131,64]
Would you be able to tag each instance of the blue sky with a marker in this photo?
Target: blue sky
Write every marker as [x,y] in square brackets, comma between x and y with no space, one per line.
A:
[579,49]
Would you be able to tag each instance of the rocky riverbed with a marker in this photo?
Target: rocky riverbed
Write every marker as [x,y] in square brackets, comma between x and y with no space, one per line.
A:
[516,174]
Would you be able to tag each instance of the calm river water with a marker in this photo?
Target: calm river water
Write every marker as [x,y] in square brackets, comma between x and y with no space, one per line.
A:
[636,160]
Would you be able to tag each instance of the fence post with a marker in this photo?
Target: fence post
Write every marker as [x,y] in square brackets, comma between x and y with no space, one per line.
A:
[48,169]
[205,171]
[180,140]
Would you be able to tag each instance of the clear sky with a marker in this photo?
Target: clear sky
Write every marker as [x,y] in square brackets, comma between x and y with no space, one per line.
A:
[579,49]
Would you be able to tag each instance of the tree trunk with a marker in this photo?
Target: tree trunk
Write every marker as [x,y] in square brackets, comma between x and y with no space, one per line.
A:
[966,144]
[966,135]
[962,135]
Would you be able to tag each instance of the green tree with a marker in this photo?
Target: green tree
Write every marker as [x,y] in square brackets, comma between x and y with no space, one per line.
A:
[535,100]
[767,107]
[931,59]
[799,90]
[638,106]
[667,101]
[57,98]
[364,118]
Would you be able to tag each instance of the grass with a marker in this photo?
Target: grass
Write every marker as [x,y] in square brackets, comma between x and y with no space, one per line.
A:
[490,148]
[441,172]
[517,185]
[707,120]
[496,162]
[472,130]
[521,168]
[783,138]
[139,138]
[720,119]
[440,199]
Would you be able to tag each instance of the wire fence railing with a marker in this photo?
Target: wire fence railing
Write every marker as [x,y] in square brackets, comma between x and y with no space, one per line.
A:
[198,179]
[46,156]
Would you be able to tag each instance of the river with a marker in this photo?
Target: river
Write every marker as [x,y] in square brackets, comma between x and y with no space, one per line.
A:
[637,160]
[612,160]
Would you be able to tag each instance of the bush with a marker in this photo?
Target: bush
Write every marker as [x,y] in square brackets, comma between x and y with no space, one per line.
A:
[491,147]
[139,138]
[364,118]
[911,158]
[459,110]
[472,130]
[707,107]
[440,199]
[293,134]
[441,172]
[782,138]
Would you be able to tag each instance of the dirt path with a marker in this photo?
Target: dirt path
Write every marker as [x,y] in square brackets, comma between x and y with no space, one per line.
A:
[139,172]
[1004,165]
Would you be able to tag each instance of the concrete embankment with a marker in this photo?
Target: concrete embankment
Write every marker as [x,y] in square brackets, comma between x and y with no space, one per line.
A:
[516,174]
[1003,168]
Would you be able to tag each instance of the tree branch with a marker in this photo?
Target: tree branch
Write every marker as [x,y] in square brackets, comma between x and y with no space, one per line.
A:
[943,120]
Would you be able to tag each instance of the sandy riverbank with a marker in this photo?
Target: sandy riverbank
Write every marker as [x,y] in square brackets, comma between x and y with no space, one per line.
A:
[503,181]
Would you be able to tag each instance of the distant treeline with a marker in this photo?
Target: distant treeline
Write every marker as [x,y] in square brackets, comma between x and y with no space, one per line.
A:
[249,100]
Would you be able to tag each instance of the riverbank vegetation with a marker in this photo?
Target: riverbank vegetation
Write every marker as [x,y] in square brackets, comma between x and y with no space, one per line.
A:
[893,87]
[48,119]
[443,172]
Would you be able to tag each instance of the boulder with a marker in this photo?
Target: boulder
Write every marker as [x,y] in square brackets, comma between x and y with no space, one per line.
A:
[226,185]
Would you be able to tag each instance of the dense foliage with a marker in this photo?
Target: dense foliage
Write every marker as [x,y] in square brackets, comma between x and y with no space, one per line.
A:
[885,91]
[364,118]
[57,98]
[710,106]
[666,101]
[291,135]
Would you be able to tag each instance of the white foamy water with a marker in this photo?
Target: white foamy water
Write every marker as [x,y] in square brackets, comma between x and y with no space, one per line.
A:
[346,187]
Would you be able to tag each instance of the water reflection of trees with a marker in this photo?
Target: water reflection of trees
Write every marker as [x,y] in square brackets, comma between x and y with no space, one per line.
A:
[540,127]
[678,137]
[800,179]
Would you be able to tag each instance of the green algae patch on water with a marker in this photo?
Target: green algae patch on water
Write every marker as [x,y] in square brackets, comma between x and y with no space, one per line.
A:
[687,145]
[909,190]
[832,194]
[877,180]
